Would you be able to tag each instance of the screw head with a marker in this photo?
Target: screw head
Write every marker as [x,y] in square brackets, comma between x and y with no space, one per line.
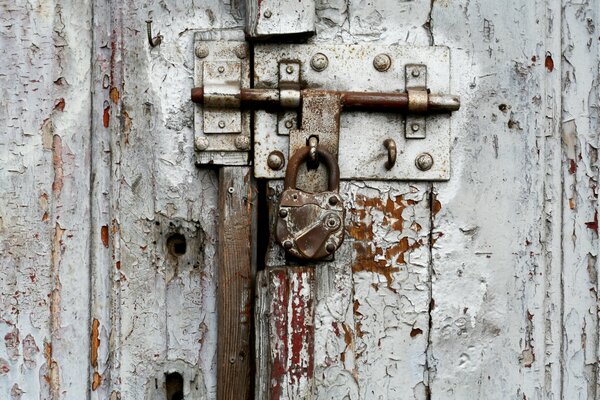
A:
[416,73]
[202,51]
[424,161]
[268,14]
[201,143]
[382,62]
[288,244]
[330,247]
[289,124]
[275,160]
[283,213]
[289,69]
[221,124]
[333,200]
[242,142]
[221,69]
[319,62]
[415,127]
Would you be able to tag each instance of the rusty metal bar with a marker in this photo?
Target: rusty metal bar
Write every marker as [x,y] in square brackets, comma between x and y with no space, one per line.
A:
[363,101]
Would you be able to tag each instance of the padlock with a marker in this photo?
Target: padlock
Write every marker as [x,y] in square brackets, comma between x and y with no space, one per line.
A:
[310,226]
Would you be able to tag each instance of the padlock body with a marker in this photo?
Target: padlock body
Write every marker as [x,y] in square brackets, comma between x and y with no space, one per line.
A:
[310,225]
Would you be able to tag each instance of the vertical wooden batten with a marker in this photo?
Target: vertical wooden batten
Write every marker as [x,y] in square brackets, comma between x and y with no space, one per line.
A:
[235,277]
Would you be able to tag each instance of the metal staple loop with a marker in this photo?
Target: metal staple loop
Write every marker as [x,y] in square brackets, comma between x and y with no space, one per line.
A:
[418,100]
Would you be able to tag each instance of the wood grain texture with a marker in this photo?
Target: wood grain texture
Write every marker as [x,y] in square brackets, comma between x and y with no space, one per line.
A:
[235,282]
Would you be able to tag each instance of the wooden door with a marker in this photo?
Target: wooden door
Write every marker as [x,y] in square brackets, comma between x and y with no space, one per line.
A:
[484,286]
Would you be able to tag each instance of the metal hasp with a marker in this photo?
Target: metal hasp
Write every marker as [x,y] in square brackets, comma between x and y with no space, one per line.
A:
[376,93]
[221,127]
[310,226]
[266,19]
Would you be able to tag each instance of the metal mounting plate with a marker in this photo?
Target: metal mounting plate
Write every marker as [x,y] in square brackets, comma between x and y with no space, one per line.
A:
[221,135]
[362,154]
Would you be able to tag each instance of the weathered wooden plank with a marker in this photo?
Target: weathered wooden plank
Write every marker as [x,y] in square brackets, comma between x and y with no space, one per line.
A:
[235,274]
[44,201]
[580,76]
[496,307]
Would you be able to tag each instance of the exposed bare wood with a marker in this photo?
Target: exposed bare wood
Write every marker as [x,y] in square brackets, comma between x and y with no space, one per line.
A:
[236,270]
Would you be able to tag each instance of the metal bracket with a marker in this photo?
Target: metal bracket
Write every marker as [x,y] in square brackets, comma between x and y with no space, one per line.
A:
[275,18]
[221,128]
[416,86]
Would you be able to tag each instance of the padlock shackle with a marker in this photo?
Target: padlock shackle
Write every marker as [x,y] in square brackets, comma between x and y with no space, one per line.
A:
[300,156]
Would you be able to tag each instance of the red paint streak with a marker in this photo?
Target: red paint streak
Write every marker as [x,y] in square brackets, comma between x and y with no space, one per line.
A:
[549,63]
[594,224]
[302,326]
[572,167]
[279,294]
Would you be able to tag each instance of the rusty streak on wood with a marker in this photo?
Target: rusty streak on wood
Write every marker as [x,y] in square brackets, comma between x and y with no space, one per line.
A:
[235,282]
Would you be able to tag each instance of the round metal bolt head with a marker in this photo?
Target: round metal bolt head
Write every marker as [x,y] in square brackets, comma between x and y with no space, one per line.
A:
[382,62]
[333,200]
[201,143]
[283,213]
[330,247]
[240,51]
[275,160]
[202,52]
[221,69]
[289,124]
[242,142]
[319,62]
[415,127]
[289,69]
[268,14]
[288,244]
[424,161]
[221,124]
[415,73]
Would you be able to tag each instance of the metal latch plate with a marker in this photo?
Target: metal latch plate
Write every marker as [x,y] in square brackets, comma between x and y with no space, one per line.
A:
[362,154]
[221,134]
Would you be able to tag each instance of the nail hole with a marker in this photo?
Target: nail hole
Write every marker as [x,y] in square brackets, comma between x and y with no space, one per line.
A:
[176,244]
[174,386]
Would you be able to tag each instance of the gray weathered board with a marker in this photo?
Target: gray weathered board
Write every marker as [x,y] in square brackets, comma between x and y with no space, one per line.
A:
[484,286]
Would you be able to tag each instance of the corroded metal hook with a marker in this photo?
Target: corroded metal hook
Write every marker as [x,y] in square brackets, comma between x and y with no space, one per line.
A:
[390,145]
[152,41]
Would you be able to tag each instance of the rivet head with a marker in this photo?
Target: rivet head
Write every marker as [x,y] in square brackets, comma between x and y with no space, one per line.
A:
[242,142]
[240,51]
[289,69]
[333,200]
[202,51]
[201,143]
[268,14]
[424,161]
[283,213]
[221,124]
[288,244]
[330,247]
[275,160]
[221,69]
[382,62]
[415,127]
[319,62]
[416,73]
[289,124]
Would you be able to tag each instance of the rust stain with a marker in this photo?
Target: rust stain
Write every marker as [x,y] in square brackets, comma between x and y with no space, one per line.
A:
[106,116]
[104,235]
[60,104]
[4,367]
[30,351]
[57,162]
[96,381]
[571,203]
[593,225]
[12,341]
[415,332]
[95,339]
[52,377]
[347,335]
[45,217]
[549,63]
[114,94]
